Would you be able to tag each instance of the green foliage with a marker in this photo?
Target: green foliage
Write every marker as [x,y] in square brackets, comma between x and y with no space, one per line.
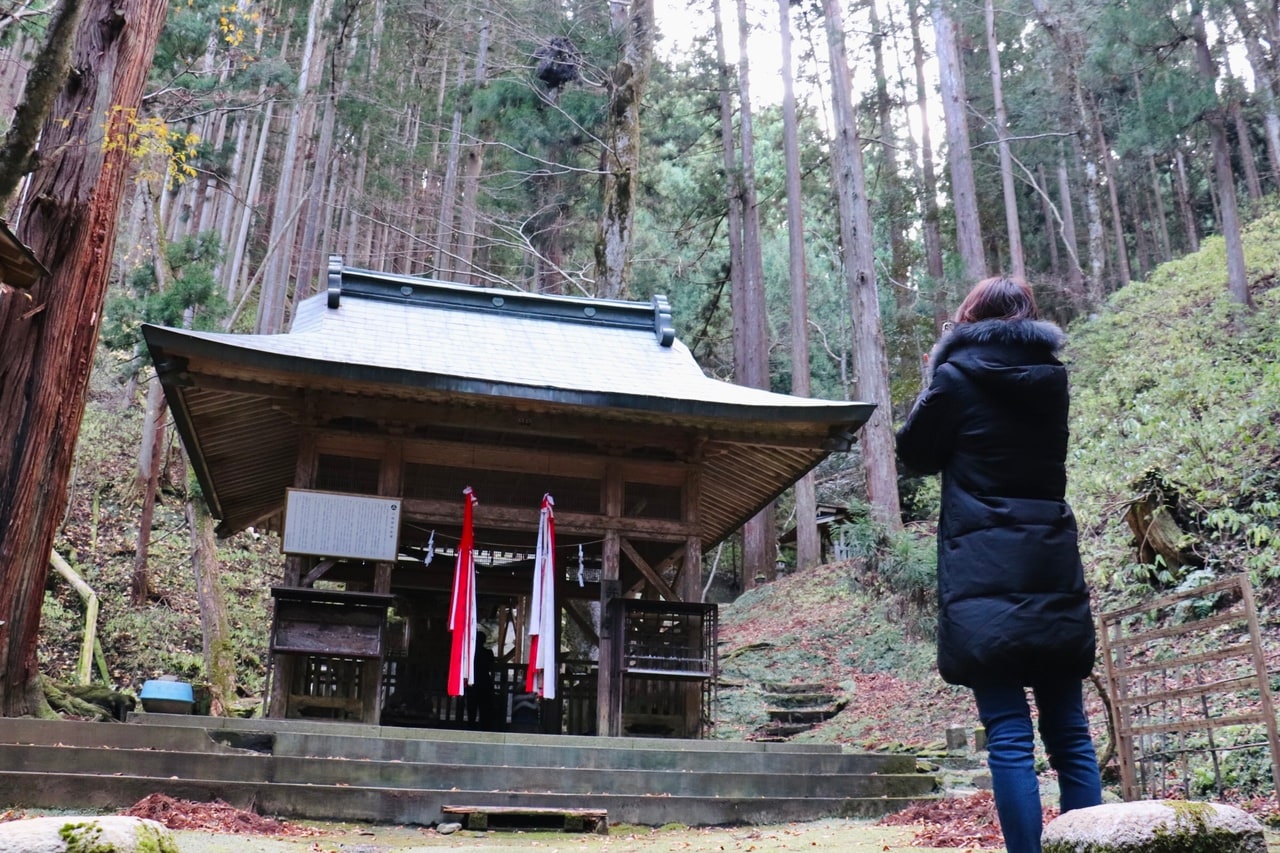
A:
[193,298]
[900,567]
[1174,377]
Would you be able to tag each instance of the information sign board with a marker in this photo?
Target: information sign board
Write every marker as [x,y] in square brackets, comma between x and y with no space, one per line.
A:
[331,524]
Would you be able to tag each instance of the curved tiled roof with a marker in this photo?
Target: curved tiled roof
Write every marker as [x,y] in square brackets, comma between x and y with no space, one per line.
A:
[237,398]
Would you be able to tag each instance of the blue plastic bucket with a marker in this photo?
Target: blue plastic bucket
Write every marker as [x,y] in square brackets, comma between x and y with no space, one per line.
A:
[166,697]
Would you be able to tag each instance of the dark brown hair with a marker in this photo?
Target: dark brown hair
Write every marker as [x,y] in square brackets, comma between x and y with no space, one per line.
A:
[998,298]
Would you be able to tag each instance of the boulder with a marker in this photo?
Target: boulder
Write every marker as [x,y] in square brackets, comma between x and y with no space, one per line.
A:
[86,834]
[1155,826]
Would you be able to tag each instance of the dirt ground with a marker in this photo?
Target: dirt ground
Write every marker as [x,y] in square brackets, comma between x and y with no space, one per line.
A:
[846,836]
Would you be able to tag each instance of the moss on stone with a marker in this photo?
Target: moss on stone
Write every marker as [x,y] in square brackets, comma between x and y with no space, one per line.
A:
[86,837]
[1188,831]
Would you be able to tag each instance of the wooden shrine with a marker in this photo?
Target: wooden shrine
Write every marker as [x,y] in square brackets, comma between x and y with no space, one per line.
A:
[389,396]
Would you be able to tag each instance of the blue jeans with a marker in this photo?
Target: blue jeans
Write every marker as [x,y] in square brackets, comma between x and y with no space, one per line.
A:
[1064,728]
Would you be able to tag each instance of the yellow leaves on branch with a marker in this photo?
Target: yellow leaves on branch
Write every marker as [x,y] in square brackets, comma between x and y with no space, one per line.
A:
[151,141]
[235,24]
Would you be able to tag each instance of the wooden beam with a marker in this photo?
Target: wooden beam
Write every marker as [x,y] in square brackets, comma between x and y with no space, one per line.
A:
[653,577]
[585,626]
[318,572]
[440,512]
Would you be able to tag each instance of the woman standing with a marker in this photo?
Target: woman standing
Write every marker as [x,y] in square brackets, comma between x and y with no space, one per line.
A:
[1013,609]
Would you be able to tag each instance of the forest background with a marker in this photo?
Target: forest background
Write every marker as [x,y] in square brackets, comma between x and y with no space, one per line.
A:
[556,147]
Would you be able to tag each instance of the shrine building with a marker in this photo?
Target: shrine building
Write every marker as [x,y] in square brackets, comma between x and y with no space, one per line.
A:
[356,433]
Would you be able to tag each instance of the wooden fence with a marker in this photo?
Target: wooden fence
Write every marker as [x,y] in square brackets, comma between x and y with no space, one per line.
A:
[1191,693]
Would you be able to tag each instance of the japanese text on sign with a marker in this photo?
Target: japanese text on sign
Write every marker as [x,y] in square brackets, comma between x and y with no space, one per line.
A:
[329,524]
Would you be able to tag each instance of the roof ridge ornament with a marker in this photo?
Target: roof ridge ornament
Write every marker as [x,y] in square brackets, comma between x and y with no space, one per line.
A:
[334,280]
[663,327]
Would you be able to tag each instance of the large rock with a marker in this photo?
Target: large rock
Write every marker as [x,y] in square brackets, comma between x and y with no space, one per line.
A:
[86,834]
[1155,826]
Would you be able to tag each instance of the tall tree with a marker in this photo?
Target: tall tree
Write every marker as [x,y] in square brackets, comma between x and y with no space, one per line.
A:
[1237,274]
[1017,265]
[808,544]
[47,343]
[858,254]
[1095,154]
[219,653]
[751,363]
[890,193]
[621,183]
[273,305]
[47,75]
[930,228]
[964,192]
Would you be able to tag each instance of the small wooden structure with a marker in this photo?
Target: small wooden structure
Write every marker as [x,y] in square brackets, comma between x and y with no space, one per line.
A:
[390,395]
[1188,684]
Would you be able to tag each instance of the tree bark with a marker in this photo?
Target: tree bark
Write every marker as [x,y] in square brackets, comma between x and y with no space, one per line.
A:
[47,76]
[964,192]
[273,302]
[1070,239]
[931,229]
[1237,275]
[621,182]
[1252,182]
[858,249]
[1017,265]
[219,653]
[47,342]
[808,543]
[1161,216]
[1050,222]
[759,534]
[150,461]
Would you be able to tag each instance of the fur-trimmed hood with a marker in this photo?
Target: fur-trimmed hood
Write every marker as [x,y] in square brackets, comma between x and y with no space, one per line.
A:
[1016,357]
[1030,333]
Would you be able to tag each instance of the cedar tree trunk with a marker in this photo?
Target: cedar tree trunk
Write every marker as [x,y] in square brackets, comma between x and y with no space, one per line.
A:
[47,341]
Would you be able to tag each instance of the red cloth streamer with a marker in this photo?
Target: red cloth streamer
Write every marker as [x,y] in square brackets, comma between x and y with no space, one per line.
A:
[540,679]
[462,606]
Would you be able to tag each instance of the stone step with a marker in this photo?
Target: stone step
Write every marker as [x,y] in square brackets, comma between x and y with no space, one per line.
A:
[778,732]
[799,700]
[424,806]
[304,769]
[411,775]
[341,740]
[811,716]
[800,687]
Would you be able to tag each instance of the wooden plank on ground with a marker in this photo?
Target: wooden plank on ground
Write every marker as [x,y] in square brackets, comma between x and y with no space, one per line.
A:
[530,817]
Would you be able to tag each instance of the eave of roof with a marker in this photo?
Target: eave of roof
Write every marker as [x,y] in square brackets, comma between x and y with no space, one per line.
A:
[20,265]
[402,338]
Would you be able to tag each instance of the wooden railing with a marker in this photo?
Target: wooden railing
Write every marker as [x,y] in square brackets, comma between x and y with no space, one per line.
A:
[1189,685]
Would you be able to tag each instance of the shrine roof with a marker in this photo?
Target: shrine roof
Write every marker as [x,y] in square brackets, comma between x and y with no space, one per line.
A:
[403,338]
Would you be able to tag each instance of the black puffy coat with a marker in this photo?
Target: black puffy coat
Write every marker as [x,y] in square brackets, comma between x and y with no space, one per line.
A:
[1012,603]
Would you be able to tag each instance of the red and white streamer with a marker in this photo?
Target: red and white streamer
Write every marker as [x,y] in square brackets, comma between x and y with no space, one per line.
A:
[540,679]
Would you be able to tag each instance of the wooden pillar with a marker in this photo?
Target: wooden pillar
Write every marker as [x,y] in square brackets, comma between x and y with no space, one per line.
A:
[690,588]
[390,476]
[609,680]
[690,582]
[282,666]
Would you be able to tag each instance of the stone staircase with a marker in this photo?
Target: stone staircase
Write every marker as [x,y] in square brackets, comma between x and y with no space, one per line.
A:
[796,708]
[346,771]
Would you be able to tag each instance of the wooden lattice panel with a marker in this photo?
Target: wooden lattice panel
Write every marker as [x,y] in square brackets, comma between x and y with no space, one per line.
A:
[1189,686]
